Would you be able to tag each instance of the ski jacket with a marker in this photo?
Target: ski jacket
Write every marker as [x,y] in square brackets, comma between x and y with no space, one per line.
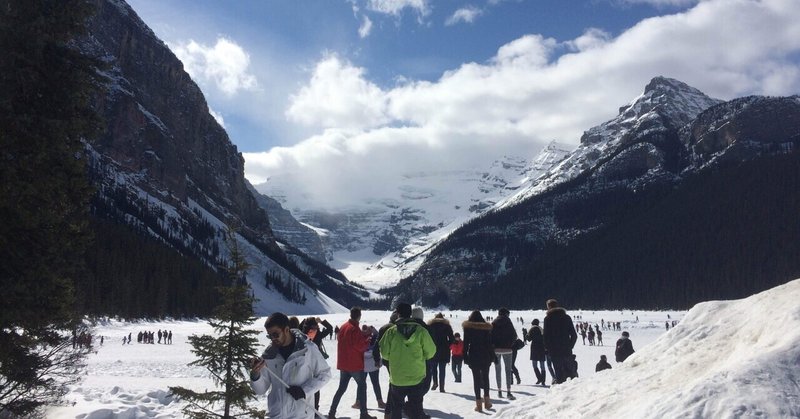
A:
[407,345]
[305,368]
[559,333]
[351,346]
[503,334]
[442,335]
[536,338]
[478,350]
[624,349]
[457,348]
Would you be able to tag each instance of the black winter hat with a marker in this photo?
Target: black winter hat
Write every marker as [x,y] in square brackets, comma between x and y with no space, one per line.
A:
[625,334]
[404,310]
[503,312]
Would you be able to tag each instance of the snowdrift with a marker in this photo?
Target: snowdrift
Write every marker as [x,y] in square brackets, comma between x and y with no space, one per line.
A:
[726,359]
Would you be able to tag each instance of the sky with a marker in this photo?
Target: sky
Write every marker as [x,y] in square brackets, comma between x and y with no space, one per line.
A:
[340,98]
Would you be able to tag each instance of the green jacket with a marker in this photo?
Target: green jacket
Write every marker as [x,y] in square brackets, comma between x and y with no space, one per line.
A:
[407,345]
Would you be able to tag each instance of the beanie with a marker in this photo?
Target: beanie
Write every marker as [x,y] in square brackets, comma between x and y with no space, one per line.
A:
[404,310]
[417,313]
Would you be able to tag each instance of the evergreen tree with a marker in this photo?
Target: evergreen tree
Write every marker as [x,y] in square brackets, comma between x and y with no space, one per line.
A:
[226,356]
[46,84]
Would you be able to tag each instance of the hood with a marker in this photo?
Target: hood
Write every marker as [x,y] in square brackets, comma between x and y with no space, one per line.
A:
[438,320]
[407,327]
[476,325]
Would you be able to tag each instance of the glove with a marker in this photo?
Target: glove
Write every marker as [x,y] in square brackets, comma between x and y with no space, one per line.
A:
[296,392]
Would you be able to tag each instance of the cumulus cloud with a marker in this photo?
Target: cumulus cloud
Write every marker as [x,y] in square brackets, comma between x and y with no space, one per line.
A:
[224,64]
[465,14]
[366,27]
[533,90]
[395,7]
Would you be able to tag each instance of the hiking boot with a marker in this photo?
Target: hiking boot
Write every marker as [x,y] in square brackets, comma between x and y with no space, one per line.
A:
[511,396]
[479,405]
[356,405]
[487,402]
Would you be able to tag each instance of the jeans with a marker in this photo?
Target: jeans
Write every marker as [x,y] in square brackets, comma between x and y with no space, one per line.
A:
[361,391]
[480,380]
[374,377]
[550,366]
[414,394]
[438,378]
[457,362]
[541,373]
[506,360]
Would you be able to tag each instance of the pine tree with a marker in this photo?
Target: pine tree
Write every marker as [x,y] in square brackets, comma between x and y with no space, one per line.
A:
[46,84]
[227,355]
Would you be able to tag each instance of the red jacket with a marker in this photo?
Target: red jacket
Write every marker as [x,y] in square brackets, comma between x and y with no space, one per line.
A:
[457,348]
[351,346]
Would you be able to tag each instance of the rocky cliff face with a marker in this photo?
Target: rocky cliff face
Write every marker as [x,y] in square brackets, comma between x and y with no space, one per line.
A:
[164,166]
[664,136]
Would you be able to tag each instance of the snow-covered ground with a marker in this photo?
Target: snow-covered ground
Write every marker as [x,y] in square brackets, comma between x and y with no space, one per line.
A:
[724,359]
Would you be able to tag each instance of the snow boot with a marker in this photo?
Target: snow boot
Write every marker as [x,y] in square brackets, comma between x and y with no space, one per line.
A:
[487,402]
[479,405]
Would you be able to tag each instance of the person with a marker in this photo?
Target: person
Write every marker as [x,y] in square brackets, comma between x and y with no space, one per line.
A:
[583,334]
[518,344]
[372,364]
[392,319]
[479,356]
[350,363]
[535,337]
[503,337]
[624,347]
[310,327]
[294,322]
[442,335]
[591,336]
[406,346]
[291,358]
[599,335]
[418,316]
[602,365]
[559,339]
[169,337]
[457,351]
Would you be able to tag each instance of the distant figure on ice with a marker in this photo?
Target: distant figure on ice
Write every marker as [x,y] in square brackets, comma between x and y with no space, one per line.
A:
[559,339]
[457,352]
[591,336]
[624,347]
[583,334]
[602,365]
[599,335]
[666,324]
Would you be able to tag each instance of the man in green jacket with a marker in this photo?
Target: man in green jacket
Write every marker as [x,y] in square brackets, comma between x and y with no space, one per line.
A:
[407,345]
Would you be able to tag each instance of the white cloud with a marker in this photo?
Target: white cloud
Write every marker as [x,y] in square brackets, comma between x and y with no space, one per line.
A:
[661,3]
[225,64]
[366,27]
[465,14]
[524,96]
[218,117]
[395,7]
[338,96]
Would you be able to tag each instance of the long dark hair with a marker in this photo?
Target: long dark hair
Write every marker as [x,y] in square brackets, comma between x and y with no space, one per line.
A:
[476,317]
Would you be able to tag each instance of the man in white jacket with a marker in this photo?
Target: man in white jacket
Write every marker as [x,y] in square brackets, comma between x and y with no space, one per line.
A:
[298,362]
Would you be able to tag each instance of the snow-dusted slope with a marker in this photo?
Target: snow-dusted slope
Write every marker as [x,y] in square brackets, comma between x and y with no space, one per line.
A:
[380,241]
[726,359]
[664,99]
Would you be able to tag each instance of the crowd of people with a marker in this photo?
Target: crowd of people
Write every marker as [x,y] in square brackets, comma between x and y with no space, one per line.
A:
[148,337]
[415,354]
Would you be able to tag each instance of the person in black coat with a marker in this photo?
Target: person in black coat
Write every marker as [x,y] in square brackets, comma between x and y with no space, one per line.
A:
[602,365]
[503,337]
[536,338]
[624,347]
[559,339]
[310,326]
[442,334]
[478,355]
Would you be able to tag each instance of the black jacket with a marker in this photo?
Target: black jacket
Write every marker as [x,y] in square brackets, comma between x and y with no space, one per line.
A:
[559,333]
[537,343]
[624,349]
[442,335]
[478,350]
[602,365]
[503,333]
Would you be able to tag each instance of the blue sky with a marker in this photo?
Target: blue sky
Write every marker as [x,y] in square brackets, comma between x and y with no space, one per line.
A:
[361,91]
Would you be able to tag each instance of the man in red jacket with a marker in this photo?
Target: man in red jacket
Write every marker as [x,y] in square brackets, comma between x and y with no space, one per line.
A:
[350,362]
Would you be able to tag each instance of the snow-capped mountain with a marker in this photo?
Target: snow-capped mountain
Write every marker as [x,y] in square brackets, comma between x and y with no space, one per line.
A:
[165,168]
[376,243]
[648,201]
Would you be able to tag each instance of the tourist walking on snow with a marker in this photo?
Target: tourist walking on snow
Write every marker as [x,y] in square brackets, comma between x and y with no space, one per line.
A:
[372,365]
[479,356]
[442,335]
[536,338]
[350,363]
[406,345]
[310,326]
[559,339]
[624,347]
[291,357]
[602,365]
[457,351]
[503,337]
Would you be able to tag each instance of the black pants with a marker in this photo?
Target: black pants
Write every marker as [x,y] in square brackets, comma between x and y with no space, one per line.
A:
[480,380]
[413,406]
[457,362]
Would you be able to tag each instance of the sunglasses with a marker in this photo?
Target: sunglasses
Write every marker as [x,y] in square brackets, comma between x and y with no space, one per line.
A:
[274,335]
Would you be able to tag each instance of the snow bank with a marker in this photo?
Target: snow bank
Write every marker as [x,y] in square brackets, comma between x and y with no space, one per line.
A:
[726,359]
